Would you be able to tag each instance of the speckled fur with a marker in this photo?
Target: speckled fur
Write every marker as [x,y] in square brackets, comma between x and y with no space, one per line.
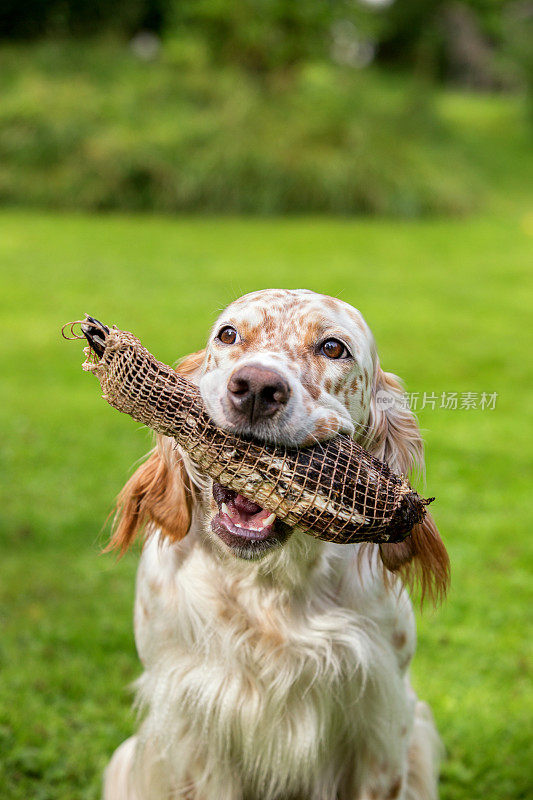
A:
[281,330]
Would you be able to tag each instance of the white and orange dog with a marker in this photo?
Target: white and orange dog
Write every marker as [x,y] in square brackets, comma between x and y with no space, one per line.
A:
[276,665]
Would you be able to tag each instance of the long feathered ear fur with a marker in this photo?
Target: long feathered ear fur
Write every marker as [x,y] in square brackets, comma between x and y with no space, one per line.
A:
[394,437]
[160,491]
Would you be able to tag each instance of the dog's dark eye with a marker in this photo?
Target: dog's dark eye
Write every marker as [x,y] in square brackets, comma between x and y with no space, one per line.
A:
[334,349]
[227,335]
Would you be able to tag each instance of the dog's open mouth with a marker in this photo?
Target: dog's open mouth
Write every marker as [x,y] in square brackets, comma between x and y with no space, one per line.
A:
[244,526]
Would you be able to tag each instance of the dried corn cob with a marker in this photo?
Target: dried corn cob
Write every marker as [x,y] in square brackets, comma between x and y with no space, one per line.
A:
[334,490]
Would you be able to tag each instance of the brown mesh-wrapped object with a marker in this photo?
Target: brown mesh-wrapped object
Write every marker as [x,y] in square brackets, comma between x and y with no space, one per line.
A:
[334,490]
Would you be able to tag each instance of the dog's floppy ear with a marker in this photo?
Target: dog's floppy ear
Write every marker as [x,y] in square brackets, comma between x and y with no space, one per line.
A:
[157,492]
[190,365]
[421,560]
[160,491]
[394,437]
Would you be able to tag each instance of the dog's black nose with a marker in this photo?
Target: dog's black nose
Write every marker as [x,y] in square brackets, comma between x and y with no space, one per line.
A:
[255,392]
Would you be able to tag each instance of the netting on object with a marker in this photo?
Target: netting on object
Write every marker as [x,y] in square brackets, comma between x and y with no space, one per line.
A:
[334,490]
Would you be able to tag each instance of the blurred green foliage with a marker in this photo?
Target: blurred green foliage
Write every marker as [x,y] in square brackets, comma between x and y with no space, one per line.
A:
[264,34]
[251,106]
[36,18]
[93,127]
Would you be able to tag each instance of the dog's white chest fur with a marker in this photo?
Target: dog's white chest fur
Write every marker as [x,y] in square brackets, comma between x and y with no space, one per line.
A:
[269,687]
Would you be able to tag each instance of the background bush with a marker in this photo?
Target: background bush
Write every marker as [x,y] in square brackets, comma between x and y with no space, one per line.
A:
[254,106]
[94,127]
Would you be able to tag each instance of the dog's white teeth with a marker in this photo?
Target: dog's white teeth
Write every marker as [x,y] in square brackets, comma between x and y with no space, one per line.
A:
[248,524]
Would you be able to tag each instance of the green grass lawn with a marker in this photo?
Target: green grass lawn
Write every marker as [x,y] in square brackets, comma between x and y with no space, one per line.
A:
[449,303]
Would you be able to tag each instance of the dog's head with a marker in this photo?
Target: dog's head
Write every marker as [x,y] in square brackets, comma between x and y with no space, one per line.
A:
[290,367]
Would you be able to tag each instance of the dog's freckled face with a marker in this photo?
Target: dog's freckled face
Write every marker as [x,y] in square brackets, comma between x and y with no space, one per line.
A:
[290,367]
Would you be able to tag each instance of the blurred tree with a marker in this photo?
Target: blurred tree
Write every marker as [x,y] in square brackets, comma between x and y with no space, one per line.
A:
[448,38]
[467,54]
[440,39]
[518,29]
[36,18]
[265,34]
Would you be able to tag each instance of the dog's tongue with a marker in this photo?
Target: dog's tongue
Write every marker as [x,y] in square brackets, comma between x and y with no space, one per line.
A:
[241,514]
[245,506]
